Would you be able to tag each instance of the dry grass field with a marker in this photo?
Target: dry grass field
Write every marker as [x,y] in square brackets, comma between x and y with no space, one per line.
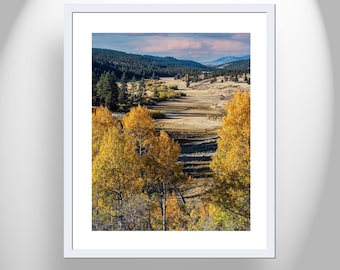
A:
[193,121]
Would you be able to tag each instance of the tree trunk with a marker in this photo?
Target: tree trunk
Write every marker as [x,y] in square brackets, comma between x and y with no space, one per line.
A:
[164,207]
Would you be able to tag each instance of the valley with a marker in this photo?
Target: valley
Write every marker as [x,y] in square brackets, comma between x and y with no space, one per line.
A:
[158,163]
[193,122]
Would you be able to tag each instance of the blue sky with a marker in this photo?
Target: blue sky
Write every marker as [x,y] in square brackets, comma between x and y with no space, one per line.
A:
[200,47]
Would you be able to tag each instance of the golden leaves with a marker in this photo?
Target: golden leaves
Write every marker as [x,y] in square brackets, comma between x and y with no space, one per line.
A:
[231,164]
[233,153]
[139,122]
[102,120]
[131,168]
[164,152]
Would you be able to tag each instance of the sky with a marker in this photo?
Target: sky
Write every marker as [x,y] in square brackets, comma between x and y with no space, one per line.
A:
[200,47]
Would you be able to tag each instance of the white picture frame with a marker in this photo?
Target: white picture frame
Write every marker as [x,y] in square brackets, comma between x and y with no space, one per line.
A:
[83,20]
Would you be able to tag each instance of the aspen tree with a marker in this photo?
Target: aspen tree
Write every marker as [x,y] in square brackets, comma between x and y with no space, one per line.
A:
[231,164]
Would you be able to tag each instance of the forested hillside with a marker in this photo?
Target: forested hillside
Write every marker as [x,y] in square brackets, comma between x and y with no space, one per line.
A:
[243,65]
[140,66]
[148,66]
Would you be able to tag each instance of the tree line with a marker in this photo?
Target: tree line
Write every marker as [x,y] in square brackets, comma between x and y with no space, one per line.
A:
[140,66]
[106,91]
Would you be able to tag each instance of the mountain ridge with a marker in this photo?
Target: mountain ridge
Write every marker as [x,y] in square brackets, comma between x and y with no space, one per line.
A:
[140,66]
[149,66]
[226,60]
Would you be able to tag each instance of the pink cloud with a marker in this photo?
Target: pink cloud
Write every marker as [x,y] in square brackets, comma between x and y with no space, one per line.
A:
[193,48]
[169,44]
[225,45]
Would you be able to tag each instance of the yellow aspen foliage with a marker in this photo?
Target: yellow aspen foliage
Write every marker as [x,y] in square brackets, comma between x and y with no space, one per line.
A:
[139,125]
[162,171]
[102,120]
[231,163]
[139,122]
[115,173]
[135,174]
[115,165]
[176,218]
[161,162]
[202,217]
[216,218]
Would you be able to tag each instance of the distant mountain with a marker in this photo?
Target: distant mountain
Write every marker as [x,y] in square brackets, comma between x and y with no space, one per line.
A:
[226,60]
[236,65]
[140,65]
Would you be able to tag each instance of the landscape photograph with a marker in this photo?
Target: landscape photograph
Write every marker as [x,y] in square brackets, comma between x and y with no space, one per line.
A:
[171,132]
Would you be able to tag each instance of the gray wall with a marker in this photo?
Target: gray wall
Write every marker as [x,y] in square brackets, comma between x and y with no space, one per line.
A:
[31,142]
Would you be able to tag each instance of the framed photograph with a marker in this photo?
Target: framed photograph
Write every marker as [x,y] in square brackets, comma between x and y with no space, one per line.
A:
[169,131]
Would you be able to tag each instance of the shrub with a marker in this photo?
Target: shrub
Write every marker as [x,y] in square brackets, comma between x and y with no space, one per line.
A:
[163,96]
[173,87]
[171,94]
[155,93]
[156,114]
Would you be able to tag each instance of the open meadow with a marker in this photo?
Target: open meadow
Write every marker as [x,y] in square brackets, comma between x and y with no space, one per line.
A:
[193,122]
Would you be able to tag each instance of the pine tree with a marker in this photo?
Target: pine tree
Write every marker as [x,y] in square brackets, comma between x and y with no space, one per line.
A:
[107,90]
[123,91]
[94,89]
[133,95]
[141,90]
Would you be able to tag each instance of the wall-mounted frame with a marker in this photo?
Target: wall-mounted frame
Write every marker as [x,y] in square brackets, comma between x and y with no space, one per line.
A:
[81,22]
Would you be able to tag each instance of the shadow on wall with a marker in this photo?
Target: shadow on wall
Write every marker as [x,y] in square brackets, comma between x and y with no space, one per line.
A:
[8,15]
